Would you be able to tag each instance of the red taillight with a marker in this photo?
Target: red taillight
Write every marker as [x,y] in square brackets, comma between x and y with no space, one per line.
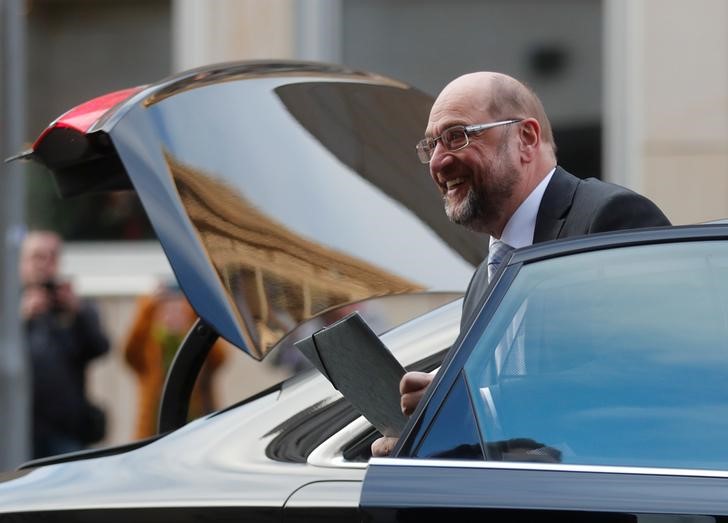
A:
[83,116]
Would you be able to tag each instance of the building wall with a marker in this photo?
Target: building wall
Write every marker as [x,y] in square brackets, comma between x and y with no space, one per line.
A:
[667,104]
[80,49]
[226,30]
[685,97]
[429,42]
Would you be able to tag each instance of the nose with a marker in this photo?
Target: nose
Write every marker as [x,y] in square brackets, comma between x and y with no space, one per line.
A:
[441,158]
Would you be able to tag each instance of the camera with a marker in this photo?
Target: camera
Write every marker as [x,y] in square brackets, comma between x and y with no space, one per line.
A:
[51,287]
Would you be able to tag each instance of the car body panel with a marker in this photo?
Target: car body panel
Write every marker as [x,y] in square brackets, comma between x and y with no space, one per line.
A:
[329,494]
[401,488]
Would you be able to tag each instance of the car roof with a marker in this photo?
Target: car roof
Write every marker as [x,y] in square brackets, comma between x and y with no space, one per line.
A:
[615,239]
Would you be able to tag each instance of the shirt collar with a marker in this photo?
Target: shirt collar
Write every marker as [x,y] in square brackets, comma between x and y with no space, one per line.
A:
[518,232]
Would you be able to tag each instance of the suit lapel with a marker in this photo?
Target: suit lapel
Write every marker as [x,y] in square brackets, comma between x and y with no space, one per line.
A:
[555,205]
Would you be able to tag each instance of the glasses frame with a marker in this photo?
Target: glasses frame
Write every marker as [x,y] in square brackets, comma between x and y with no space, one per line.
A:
[426,146]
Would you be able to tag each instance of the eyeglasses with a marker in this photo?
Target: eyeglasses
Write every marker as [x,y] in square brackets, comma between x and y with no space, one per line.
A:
[455,138]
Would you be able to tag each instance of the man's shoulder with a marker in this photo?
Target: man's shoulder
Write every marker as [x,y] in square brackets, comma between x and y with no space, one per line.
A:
[564,181]
[607,206]
[593,192]
[595,187]
[599,206]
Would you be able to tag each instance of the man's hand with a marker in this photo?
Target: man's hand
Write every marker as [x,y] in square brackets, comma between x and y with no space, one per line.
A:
[35,301]
[411,388]
[66,298]
[383,446]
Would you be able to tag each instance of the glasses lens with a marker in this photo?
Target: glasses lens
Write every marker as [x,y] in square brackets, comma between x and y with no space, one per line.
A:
[455,138]
[424,151]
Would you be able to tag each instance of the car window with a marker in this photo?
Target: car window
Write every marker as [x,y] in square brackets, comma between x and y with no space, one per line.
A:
[614,357]
[445,443]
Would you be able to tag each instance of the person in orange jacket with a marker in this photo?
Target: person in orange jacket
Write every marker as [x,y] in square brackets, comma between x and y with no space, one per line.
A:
[160,323]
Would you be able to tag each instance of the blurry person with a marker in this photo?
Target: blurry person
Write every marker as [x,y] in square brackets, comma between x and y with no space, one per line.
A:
[160,323]
[63,335]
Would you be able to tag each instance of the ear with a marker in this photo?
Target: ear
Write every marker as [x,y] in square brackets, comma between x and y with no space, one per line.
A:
[529,134]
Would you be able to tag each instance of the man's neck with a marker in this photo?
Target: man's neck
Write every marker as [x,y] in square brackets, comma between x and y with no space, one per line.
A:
[517,229]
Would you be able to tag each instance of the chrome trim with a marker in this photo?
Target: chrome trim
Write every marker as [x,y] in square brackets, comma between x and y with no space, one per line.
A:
[231,71]
[326,494]
[330,452]
[604,469]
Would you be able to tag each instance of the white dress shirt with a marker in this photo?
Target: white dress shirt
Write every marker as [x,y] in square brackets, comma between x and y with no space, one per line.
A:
[518,232]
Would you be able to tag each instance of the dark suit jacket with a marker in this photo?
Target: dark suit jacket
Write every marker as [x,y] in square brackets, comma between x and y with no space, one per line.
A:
[574,207]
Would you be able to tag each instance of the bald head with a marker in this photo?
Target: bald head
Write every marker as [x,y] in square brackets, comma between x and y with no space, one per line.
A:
[495,96]
[486,179]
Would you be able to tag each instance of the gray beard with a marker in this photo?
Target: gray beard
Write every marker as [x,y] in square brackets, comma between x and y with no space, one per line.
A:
[482,207]
[468,213]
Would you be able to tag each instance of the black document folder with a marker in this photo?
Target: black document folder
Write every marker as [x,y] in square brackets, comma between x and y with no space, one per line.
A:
[361,367]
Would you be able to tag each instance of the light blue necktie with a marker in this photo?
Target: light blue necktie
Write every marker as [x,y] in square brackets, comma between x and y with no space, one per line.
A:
[496,253]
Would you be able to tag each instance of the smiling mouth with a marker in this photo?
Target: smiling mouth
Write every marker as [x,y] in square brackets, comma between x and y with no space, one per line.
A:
[454,183]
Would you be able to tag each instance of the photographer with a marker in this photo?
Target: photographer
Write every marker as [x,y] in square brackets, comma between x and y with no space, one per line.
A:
[63,335]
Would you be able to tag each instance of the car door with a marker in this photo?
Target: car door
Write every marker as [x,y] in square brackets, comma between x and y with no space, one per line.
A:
[590,387]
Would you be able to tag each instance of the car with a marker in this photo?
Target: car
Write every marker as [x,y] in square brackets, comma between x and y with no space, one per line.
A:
[589,385]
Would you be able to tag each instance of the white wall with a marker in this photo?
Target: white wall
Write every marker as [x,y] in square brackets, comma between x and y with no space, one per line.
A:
[667,103]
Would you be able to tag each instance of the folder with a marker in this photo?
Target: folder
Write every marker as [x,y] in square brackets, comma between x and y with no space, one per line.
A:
[361,367]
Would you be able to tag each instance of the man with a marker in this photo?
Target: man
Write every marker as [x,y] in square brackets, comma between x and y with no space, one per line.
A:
[492,155]
[62,335]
